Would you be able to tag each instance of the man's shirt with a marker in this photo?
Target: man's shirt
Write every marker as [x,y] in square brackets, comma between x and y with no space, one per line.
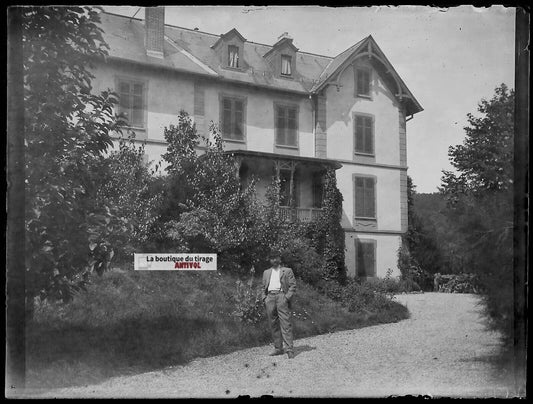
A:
[274,280]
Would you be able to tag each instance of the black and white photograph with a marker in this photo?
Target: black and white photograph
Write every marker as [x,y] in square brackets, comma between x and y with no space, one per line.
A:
[266,201]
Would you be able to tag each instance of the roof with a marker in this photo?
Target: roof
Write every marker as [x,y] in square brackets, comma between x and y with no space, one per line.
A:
[276,156]
[192,51]
[125,37]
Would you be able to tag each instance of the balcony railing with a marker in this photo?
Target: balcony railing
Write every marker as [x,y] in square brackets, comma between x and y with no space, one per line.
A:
[300,214]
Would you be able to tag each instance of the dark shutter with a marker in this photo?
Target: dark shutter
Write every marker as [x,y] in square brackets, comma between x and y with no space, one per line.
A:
[359,196]
[370,203]
[368,135]
[365,258]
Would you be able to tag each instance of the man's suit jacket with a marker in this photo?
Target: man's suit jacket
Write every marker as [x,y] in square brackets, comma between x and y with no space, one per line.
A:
[286,279]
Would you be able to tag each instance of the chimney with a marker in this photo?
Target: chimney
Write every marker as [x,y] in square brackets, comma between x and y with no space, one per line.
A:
[283,36]
[154,26]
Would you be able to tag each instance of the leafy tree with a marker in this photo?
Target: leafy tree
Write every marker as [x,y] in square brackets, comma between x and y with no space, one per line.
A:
[480,197]
[420,254]
[205,209]
[129,187]
[327,234]
[67,130]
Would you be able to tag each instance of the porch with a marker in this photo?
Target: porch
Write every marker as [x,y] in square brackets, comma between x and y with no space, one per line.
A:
[301,180]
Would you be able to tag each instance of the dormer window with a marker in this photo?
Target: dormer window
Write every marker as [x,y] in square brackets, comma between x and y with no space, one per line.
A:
[286,61]
[233,56]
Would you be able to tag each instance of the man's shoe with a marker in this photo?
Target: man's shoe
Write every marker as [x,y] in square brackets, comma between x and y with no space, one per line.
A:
[277,352]
[290,354]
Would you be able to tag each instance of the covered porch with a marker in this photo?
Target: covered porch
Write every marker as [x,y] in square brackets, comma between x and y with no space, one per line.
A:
[301,180]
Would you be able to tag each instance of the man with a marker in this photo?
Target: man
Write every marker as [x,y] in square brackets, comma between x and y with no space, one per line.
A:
[279,286]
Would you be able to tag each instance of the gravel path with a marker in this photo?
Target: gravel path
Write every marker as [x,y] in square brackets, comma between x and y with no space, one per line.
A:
[440,351]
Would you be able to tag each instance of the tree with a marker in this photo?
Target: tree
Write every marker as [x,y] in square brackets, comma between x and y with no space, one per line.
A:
[205,208]
[327,234]
[480,198]
[420,254]
[67,130]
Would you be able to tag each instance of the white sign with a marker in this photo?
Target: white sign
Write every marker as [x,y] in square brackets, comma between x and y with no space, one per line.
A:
[175,262]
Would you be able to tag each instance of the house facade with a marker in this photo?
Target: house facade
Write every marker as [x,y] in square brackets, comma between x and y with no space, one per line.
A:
[281,112]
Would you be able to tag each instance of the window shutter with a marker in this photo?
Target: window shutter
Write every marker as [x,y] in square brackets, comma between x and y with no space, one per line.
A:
[370,203]
[359,132]
[368,249]
[226,117]
[359,197]
[239,120]
[291,127]
[360,260]
[368,135]
[280,125]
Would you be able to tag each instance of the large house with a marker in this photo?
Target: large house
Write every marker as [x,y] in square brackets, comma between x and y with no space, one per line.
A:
[282,112]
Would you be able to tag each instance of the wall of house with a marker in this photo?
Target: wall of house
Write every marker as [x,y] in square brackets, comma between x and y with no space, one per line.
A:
[260,118]
[385,165]
[342,104]
[388,202]
[169,92]
[386,252]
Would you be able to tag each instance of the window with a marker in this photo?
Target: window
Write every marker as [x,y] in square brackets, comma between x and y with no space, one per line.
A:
[286,118]
[362,82]
[233,56]
[365,260]
[364,134]
[365,197]
[318,190]
[286,65]
[232,118]
[131,102]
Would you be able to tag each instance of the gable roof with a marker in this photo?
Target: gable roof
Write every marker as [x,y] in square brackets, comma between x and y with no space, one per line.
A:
[192,51]
[284,42]
[369,47]
[229,34]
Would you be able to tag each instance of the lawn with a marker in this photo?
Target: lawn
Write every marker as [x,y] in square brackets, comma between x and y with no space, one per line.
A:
[129,322]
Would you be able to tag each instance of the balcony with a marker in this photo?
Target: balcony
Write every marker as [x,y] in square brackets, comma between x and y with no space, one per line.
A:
[300,214]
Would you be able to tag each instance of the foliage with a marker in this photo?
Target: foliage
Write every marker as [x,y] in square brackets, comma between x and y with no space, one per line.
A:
[390,285]
[480,199]
[484,161]
[359,296]
[128,185]
[420,248]
[326,233]
[205,209]
[412,276]
[249,306]
[462,283]
[138,321]
[67,130]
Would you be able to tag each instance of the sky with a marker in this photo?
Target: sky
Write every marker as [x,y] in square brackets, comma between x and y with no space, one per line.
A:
[450,58]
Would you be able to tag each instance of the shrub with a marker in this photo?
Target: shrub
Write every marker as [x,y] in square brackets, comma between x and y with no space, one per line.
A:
[461,283]
[305,262]
[249,307]
[248,303]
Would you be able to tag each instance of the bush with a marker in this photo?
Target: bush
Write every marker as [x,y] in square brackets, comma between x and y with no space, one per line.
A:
[363,297]
[249,307]
[461,283]
[305,262]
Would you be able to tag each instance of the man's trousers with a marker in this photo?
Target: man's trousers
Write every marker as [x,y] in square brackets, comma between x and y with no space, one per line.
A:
[279,318]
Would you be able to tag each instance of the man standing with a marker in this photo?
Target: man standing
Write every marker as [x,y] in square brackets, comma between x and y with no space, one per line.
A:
[279,286]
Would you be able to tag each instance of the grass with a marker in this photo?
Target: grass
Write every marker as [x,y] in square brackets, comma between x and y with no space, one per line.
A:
[130,322]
